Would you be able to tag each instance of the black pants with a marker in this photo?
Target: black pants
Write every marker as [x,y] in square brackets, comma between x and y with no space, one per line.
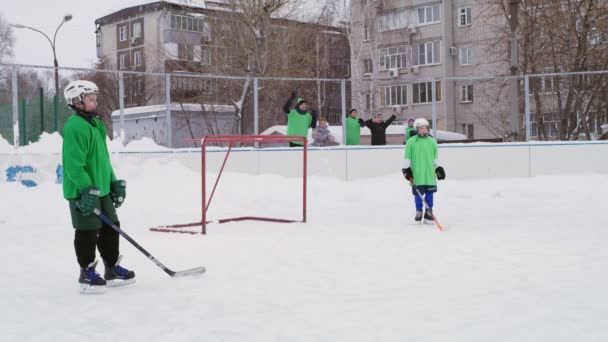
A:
[105,239]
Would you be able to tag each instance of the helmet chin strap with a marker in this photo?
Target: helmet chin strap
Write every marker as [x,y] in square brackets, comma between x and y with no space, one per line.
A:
[84,113]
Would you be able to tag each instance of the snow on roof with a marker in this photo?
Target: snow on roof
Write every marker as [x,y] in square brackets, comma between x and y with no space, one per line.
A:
[176,107]
[336,131]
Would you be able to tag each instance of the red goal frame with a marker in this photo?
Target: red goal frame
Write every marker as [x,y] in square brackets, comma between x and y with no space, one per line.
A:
[231,140]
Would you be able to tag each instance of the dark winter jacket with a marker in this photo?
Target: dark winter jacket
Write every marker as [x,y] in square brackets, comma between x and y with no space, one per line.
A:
[379,130]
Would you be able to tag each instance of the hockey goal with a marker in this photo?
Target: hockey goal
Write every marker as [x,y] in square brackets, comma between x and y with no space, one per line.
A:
[231,140]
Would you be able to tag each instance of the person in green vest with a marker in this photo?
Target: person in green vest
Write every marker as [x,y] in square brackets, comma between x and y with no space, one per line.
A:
[299,119]
[420,167]
[89,183]
[353,128]
[410,130]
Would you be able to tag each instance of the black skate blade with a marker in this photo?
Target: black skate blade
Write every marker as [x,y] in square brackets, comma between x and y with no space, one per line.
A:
[191,272]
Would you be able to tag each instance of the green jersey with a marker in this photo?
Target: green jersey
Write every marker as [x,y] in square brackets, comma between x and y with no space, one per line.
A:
[85,156]
[353,131]
[297,124]
[422,153]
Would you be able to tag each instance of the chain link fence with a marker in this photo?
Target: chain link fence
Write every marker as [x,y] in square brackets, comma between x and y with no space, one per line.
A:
[170,108]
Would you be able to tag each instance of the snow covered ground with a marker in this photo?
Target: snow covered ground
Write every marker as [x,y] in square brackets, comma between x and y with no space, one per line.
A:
[521,260]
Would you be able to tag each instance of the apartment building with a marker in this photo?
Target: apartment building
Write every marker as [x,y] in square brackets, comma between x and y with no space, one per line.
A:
[167,36]
[401,49]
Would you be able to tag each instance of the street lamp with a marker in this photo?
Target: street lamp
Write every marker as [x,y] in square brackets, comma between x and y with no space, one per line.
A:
[66,18]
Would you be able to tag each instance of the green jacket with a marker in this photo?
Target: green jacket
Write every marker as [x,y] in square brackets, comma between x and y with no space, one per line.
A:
[297,124]
[422,153]
[353,131]
[86,160]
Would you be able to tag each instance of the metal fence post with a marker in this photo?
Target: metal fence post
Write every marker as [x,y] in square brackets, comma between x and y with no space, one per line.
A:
[23,123]
[168,109]
[56,113]
[434,106]
[527,106]
[15,108]
[121,105]
[256,113]
[343,95]
[41,110]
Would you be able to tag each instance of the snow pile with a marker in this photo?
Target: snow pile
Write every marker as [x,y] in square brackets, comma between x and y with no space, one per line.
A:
[5,147]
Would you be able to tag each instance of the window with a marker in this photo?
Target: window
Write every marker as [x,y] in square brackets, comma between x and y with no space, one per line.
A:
[394,57]
[345,65]
[468,130]
[393,95]
[138,87]
[184,52]
[98,39]
[466,94]
[544,85]
[187,23]
[368,66]
[392,21]
[423,92]
[426,53]
[205,56]
[122,33]
[122,61]
[206,30]
[137,58]
[428,15]
[466,56]
[226,30]
[369,101]
[464,16]
[136,30]
[367,32]
[207,87]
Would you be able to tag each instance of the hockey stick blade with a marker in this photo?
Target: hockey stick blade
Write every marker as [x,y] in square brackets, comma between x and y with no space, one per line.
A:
[186,273]
[173,274]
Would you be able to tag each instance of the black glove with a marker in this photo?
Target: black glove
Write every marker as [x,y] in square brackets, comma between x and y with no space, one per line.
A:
[407,173]
[89,200]
[293,95]
[440,172]
[118,192]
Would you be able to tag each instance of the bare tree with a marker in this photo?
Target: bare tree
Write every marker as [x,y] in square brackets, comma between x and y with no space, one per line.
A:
[558,37]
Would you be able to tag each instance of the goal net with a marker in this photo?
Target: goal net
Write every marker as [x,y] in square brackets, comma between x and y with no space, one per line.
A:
[238,191]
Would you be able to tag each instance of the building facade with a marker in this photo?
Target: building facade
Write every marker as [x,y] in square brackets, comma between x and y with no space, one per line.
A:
[207,39]
[402,48]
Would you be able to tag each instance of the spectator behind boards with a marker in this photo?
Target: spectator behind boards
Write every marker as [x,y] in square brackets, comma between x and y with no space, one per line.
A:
[353,128]
[410,130]
[378,126]
[298,119]
[321,135]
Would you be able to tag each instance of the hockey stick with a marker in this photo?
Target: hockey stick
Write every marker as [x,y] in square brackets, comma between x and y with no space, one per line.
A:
[173,274]
[426,205]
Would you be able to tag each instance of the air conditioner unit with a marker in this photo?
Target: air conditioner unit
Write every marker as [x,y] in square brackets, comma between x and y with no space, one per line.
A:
[453,51]
[411,29]
[394,72]
[134,40]
[414,69]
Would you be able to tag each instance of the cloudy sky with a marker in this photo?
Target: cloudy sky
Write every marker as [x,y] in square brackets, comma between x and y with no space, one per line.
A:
[76,38]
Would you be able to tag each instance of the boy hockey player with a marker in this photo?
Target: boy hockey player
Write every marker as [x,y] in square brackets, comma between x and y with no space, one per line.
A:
[298,119]
[420,168]
[88,183]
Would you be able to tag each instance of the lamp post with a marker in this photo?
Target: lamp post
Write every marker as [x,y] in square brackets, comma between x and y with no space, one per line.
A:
[66,18]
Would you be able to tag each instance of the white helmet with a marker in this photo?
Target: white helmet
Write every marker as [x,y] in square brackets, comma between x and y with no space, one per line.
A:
[78,89]
[420,122]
